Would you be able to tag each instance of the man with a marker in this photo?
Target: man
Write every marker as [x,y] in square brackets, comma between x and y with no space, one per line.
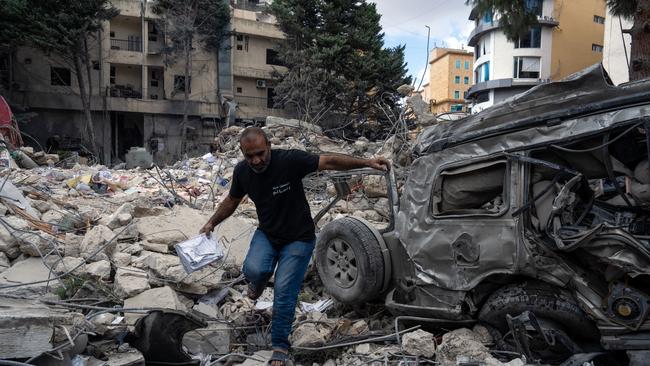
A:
[273,181]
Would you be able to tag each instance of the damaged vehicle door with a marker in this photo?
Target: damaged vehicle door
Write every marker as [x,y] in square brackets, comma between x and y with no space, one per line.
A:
[531,217]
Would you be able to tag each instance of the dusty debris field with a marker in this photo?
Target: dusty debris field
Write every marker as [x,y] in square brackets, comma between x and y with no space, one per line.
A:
[87,262]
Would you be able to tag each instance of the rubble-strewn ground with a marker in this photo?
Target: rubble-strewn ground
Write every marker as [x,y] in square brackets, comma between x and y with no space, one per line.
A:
[86,251]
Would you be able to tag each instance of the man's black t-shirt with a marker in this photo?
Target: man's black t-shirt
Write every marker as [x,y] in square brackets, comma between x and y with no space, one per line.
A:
[282,208]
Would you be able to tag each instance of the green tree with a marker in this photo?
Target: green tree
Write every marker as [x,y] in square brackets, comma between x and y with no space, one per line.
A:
[517,18]
[63,28]
[336,59]
[186,24]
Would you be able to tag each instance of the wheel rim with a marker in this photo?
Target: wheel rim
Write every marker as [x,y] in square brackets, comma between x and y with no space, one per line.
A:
[342,263]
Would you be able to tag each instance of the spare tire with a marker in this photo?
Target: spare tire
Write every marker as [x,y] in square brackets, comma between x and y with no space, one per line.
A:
[349,261]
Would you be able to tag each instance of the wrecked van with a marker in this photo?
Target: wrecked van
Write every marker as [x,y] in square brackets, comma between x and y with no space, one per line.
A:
[531,217]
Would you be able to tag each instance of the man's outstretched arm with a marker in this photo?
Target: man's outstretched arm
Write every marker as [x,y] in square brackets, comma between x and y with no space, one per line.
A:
[224,210]
[345,162]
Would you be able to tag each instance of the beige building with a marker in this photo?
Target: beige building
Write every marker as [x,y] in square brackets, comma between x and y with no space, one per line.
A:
[138,94]
[450,76]
[255,61]
[569,38]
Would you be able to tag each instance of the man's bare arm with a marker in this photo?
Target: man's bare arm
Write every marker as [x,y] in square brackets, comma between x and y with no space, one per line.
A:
[224,210]
[345,162]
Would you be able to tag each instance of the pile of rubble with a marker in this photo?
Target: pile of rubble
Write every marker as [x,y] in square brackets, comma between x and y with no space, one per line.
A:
[87,261]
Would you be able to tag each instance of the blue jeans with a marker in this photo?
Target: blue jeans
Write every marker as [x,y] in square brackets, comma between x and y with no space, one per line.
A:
[292,260]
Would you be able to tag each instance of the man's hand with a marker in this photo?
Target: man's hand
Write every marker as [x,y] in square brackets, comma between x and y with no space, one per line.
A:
[379,163]
[207,228]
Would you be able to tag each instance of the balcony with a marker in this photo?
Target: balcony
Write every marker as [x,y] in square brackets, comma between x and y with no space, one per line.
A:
[125,91]
[483,28]
[131,45]
[501,83]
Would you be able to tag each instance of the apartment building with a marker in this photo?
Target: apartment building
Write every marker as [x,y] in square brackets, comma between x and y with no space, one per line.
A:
[138,91]
[569,37]
[255,62]
[450,76]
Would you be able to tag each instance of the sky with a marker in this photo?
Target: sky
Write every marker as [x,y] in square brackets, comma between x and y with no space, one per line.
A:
[404,22]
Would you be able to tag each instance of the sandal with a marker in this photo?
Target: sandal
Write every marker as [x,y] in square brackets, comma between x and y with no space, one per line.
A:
[254,293]
[282,357]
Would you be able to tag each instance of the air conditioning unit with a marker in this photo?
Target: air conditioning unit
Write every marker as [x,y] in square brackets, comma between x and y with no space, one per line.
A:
[261,83]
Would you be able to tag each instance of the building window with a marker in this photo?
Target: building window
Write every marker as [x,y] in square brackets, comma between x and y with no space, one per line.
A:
[179,83]
[532,40]
[456,108]
[457,94]
[534,7]
[458,64]
[240,47]
[483,72]
[457,80]
[466,65]
[466,80]
[240,38]
[60,76]
[112,34]
[487,17]
[598,19]
[596,48]
[239,90]
[527,68]
[272,57]
[96,65]
[112,75]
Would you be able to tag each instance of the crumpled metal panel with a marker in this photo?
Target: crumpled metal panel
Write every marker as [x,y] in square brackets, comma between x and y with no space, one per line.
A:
[428,241]
[579,94]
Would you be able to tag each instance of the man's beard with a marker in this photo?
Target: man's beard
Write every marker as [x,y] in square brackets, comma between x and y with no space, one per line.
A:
[263,168]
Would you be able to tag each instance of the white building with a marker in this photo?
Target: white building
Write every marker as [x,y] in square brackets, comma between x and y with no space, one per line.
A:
[569,37]
[616,54]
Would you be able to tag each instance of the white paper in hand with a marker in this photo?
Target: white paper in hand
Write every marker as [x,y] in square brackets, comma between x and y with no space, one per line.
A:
[198,252]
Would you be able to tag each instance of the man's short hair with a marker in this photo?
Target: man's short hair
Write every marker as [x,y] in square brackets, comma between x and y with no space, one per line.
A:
[253,131]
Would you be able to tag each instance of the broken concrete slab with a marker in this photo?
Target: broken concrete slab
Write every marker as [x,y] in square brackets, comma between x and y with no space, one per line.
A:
[121,216]
[419,343]
[100,269]
[160,248]
[36,244]
[161,297]
[95,241]
[25,272]
[130,281]
[215,339]
[289,122]
[463,342]
[130,358]
[29,328]
[307,335]
[72,244]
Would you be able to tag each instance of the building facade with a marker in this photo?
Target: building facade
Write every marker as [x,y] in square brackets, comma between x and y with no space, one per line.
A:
[617,47]
[450,76]
[138,91]
[569,38]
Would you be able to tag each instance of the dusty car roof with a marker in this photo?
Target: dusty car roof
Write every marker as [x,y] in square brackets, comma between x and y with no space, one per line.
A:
[585,92]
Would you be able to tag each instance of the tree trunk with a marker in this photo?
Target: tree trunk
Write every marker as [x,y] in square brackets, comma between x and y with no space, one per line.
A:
[85,102]
[640,50]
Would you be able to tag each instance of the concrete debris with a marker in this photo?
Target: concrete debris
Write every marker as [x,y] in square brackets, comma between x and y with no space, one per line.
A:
[94,240]
[130,281]
[161,297]
[419,343]
[28,328]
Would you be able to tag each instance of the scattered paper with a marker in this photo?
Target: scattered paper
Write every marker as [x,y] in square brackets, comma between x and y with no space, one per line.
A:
[319,306]
[198,252]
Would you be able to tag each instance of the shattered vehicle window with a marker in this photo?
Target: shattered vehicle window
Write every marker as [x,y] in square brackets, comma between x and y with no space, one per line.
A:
[473,189]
